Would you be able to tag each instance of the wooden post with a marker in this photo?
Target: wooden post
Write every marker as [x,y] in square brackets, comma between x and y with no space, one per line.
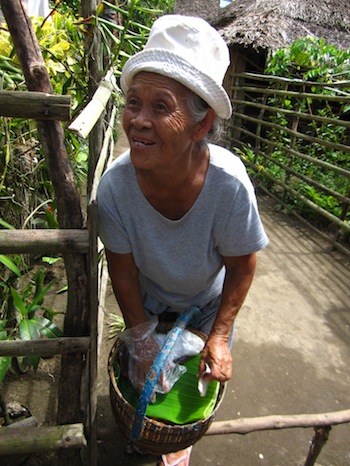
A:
[320,438]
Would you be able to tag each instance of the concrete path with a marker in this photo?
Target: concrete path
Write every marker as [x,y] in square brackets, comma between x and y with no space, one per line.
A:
[291,356]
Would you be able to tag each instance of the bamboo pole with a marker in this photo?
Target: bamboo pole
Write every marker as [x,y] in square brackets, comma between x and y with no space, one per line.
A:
[28,440]
[306,179]
[44,348]
[101,164]
[295,81]
[330,217]
[293,113]
[304,95]
[314,160]
[87,119]
[37,105]
[333,242]
[312,139]
[44,241]
[92,389]
[246,425]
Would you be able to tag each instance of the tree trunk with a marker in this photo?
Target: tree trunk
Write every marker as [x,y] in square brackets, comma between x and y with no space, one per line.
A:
[68,205]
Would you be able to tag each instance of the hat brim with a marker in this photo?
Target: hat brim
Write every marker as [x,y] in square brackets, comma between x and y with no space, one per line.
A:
[169,64]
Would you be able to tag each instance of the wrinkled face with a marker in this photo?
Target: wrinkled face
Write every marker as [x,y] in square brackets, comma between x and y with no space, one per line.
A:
[157,121]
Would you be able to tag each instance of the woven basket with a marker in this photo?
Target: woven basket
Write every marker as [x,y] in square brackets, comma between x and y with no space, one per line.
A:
[157,437]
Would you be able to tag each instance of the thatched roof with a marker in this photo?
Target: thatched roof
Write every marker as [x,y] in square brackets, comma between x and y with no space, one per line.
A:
[272,24]
[202,8]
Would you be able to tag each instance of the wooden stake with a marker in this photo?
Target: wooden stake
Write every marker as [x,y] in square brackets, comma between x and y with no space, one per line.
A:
[320,438]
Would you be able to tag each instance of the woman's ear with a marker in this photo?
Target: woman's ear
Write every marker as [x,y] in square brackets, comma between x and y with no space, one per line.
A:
[203,127]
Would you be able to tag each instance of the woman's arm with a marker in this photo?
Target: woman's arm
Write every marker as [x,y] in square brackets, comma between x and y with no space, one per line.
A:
[216,353]
[125,283]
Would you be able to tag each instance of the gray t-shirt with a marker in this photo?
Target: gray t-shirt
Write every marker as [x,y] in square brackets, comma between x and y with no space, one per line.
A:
[181,261]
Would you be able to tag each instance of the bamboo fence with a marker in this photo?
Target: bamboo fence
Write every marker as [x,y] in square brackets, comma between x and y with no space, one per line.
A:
[294,137]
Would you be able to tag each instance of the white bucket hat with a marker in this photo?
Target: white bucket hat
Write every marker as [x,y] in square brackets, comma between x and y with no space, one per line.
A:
[190,51]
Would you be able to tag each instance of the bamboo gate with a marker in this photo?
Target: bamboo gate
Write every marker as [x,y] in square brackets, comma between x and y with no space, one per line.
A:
[84,242]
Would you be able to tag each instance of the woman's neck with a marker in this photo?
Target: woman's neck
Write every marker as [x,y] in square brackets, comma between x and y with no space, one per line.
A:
[174,193]
[175,177]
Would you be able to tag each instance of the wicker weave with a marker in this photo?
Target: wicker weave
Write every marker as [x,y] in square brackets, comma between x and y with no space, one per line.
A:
[157,437]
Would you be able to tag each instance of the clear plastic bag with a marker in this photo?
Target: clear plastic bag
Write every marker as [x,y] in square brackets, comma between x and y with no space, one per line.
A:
[188,344]
[143,344]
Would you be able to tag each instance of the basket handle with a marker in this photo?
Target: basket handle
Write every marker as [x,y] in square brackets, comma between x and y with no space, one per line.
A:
[157,367]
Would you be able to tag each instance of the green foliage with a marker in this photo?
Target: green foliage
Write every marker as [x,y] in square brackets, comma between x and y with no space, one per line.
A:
[127,36]
[313,59]
[313,68]
[24,180]
[23,314]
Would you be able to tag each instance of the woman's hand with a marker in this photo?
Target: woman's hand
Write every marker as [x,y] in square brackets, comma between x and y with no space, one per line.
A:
[216,354]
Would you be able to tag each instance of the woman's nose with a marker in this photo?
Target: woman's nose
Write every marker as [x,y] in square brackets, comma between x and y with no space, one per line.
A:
[142,119]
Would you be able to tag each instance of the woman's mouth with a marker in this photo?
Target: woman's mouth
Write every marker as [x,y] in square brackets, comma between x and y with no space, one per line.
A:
[142,142]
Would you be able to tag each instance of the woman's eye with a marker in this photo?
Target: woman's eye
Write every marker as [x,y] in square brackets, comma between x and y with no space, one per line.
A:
[131,101]
[161,107]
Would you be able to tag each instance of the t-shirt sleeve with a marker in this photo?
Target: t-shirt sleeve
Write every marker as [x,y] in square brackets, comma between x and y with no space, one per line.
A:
[243,232]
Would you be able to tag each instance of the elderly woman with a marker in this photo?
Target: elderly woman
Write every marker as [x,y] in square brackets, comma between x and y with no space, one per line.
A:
[178,215]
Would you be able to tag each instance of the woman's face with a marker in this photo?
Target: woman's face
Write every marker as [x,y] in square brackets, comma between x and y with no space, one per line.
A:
[157,122]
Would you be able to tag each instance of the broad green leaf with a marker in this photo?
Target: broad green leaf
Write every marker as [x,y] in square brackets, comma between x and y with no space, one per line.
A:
[28,330]
[51,220]
[7,262]
[39,298]
[4,365]
[51,260]
[3,324]
[19,303]
[46,327]
[34,361]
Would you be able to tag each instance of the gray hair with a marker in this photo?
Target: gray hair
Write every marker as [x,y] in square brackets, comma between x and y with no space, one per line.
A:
[199,108]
